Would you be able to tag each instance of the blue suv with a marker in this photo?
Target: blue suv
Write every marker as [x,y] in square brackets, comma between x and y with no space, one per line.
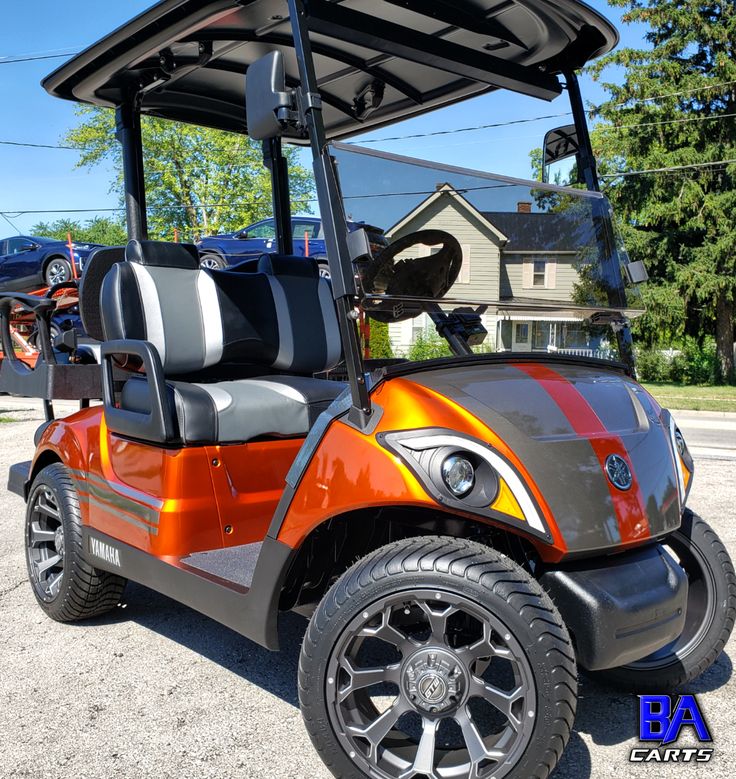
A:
[219,251]
[28,262]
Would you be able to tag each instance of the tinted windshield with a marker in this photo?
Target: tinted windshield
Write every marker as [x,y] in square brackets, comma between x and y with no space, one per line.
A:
[544,261]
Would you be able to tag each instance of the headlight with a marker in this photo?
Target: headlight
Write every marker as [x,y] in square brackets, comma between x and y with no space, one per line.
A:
[680,442]
[458,474]
[463,473]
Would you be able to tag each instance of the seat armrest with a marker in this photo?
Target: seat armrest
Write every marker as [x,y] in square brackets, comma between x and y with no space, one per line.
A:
[41,308]
[156,426]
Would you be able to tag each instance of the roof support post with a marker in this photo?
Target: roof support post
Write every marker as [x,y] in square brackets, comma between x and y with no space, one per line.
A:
[128,132]
[605,232]
[275,161]
[585,153]
[334,222]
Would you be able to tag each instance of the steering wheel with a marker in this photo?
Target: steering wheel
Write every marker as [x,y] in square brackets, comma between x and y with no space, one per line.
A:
[425,276]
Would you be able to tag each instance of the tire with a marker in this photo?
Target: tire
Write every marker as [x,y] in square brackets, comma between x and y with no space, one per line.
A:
[403,597]
[212,260]
[712,603]
[57,271]
[323,268]
[54,332]
[70,589]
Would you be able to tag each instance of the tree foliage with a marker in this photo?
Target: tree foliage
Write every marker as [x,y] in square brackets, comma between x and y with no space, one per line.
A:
[101,229]
[199,181]
[682,224]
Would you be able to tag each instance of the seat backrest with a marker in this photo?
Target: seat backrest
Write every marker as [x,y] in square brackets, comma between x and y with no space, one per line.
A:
[99,262]
[280,317]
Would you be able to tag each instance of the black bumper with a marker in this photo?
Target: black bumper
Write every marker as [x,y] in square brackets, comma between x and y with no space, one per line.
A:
[621,608]
[18,478]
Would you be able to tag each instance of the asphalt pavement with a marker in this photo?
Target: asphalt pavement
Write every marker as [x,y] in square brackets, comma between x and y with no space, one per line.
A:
[157,690]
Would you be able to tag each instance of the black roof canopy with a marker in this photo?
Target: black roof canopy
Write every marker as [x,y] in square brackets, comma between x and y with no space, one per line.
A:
[187,58]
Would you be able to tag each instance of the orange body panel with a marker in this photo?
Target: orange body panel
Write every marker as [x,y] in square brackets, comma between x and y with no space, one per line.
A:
[170,502]
[351,470]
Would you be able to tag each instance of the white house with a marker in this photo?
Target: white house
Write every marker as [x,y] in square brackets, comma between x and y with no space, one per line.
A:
[518,256]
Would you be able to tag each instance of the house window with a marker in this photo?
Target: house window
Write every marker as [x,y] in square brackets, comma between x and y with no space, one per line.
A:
[464,275]
[539,273]
[416,334]
[521,333]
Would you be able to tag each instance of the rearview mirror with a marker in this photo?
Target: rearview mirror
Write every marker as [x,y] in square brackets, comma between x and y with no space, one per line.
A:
[559,144]
[267,101]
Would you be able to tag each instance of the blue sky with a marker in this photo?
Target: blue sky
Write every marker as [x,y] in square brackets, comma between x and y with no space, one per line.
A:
[34,179]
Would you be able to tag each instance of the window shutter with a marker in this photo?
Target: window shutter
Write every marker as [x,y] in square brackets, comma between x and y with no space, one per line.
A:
[464,277]
[527,273]
[550,281]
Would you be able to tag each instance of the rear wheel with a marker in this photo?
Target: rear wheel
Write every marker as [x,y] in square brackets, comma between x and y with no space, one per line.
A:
[66,587]
[323,267]
[437,658]
[58,270]
[711,609]
[212,261]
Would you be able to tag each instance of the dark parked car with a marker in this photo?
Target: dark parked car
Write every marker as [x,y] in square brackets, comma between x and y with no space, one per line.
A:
[28,262]
[219,251]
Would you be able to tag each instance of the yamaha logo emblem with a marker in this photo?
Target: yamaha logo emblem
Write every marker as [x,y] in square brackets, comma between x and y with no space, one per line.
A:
[618,472]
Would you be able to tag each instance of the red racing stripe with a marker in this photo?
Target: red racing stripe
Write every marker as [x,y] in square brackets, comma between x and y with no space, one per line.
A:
[629,504]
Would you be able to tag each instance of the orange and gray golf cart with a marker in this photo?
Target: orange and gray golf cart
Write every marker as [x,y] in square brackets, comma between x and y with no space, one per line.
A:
[463,532]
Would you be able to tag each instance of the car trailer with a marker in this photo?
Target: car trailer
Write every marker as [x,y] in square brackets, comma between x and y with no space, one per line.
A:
[464,532]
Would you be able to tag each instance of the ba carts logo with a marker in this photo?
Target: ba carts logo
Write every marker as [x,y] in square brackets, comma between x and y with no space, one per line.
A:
[660,722]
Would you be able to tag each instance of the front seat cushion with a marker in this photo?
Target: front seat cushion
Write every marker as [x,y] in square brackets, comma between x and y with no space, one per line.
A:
[238,411]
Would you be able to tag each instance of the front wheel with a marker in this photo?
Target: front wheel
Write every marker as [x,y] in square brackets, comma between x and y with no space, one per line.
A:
[58,271]
[711,609]
[437,657]
[212,261]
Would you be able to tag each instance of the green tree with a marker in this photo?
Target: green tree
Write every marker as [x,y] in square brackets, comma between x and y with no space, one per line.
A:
[682,223]
[199,181]
[380,341]
[101,229]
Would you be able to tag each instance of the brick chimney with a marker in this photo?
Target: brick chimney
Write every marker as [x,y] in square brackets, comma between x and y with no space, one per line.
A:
[524,207]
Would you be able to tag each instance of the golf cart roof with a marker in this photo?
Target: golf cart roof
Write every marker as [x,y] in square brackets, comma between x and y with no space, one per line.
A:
[376,61]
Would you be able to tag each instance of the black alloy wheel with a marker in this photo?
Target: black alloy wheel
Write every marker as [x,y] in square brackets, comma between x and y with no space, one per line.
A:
[66,586]
[437,659]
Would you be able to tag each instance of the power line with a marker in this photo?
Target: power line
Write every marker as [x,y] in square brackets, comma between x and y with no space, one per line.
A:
[40,145]
[672,169]
[431,134]
[36,58]
[463,129]
[669,121]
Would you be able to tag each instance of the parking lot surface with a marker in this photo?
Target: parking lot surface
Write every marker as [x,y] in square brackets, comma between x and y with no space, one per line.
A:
[157,690]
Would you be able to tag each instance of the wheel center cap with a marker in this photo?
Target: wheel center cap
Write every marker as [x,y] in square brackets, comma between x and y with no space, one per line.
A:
[434,680]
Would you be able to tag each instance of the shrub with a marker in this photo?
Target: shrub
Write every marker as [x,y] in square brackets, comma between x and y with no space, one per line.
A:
[652,365]
[428,347]
[700,361]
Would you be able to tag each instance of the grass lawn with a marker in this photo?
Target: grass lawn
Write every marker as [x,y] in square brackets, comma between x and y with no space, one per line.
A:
[698,398]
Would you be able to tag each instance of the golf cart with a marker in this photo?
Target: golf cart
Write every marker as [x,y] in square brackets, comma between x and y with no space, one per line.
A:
[462,532]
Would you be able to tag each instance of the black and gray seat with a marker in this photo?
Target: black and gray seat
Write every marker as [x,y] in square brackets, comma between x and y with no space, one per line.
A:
[263,333]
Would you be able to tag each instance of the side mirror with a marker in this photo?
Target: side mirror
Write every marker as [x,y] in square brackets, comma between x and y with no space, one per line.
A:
[559,144]
[267,101]
[27,247]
